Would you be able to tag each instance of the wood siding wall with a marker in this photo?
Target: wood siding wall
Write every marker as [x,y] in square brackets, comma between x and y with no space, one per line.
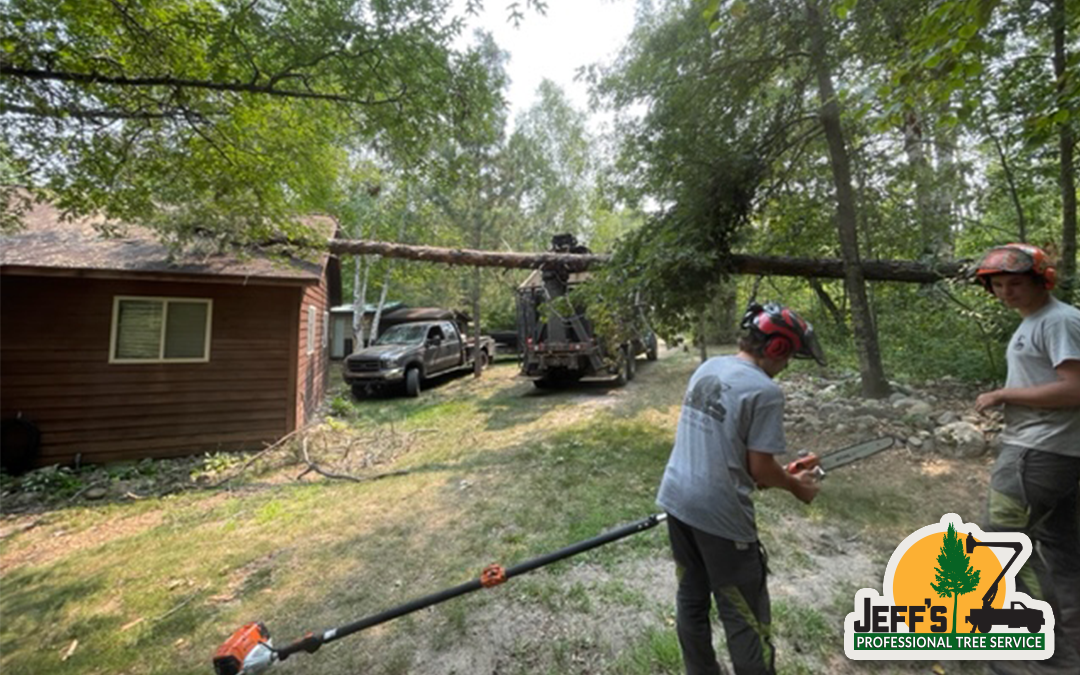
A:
[55,370]
[312,370]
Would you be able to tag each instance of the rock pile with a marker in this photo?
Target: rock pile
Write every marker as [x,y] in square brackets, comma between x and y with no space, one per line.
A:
[937,417]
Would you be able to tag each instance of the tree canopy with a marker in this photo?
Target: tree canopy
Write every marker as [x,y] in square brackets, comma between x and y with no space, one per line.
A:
[227,116]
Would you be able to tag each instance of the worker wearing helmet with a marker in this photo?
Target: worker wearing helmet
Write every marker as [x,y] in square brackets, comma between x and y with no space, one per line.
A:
[730,430]
[1034,484]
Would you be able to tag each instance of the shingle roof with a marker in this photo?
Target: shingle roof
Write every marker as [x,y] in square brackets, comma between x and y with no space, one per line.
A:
[48,241]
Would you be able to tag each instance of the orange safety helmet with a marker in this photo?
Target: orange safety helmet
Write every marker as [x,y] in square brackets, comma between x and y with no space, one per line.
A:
[784,332]
[1016,259]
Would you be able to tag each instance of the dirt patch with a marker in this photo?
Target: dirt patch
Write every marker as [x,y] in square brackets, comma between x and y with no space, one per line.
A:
[51,542]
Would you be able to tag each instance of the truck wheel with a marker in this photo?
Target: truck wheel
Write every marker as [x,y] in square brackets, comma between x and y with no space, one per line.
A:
[984,626]
[652,350]
[484,360]
[543,383]
[631,365]
[360,391]
[1034,626]
[412,382]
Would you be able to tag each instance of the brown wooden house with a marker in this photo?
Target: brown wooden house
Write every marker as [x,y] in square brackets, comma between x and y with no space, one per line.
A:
[115,349]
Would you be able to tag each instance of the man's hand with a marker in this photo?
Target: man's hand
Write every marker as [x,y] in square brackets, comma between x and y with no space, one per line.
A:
[989,399]
[767,472]
[806,486]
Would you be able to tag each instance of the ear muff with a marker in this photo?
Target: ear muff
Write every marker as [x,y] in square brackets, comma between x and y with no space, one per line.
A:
[778,347]
[1049,278]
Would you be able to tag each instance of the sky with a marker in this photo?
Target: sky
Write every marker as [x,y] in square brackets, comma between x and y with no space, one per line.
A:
[571,34]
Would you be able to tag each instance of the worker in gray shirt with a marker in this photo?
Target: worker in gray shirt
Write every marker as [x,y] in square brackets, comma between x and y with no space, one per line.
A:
[730,430]
[1034,484]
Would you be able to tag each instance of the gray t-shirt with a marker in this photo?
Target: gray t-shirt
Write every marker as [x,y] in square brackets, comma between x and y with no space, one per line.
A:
[1044,341]
[730,406]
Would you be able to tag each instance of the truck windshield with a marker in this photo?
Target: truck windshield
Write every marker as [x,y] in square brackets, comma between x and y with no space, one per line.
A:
[403,334]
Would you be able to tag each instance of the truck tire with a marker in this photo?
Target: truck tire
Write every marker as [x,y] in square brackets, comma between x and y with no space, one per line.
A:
[412,382]
[652,349]
[360,391]
[483,358]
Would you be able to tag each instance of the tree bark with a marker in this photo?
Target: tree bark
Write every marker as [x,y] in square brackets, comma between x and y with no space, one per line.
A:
[874,383]
[1066,143]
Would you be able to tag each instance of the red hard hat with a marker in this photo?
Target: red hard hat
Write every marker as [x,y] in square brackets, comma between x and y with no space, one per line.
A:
[784,330]
[1016,258]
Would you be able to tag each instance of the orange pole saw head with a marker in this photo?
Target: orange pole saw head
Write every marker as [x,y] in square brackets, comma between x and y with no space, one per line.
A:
[247,651]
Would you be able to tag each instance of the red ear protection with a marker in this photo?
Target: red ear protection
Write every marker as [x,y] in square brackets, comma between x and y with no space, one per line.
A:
[778,347]
[1050,278]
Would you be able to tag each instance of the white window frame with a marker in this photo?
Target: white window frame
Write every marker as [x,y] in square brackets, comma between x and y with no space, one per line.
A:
[326,330]
[311,327]
[115,329]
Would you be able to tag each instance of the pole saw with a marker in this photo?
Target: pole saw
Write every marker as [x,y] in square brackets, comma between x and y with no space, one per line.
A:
[250,650]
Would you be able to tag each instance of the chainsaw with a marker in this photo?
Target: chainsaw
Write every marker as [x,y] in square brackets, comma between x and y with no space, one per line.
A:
[250,650]
[822,465]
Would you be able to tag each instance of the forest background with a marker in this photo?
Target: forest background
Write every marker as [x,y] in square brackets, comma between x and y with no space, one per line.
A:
[853,129]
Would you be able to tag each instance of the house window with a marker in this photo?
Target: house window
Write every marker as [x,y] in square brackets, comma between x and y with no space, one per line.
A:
[156,330]
[311,330]
[326,330]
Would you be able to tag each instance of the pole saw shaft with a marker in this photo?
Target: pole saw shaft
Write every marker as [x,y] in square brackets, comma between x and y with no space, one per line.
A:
[492,576]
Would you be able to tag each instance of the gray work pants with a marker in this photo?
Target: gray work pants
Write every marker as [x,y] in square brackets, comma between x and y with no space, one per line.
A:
[734,574]
[1035,492]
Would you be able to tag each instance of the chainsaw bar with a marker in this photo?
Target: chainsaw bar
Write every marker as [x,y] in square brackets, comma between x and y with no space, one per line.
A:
[855,453]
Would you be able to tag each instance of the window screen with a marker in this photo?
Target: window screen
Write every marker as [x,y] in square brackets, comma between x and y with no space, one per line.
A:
[161,329]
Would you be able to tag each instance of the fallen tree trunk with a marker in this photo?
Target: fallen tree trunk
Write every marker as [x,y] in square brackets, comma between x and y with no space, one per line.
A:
[825,268]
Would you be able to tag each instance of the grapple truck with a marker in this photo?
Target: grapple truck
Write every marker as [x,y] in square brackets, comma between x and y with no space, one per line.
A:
[558,342]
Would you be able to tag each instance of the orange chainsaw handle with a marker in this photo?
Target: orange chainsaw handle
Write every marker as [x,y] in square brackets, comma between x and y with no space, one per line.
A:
[805,463]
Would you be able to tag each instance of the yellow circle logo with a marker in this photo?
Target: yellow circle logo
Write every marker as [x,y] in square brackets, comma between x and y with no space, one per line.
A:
[926,565]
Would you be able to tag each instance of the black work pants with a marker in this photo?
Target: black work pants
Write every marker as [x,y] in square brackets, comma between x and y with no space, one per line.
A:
[734,574]
[1036,493]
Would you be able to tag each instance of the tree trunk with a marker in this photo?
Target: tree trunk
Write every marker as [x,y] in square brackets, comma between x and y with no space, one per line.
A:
[782,266]
[922,175]
[874,384]
[477,242]
[830,306]
[357,305]
[1066,143]
[944,192]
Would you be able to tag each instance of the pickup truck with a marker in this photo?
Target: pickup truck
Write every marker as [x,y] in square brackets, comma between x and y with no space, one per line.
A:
[408,353]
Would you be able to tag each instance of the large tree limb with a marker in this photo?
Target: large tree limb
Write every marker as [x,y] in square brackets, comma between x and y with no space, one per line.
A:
[826,268]
[168,81]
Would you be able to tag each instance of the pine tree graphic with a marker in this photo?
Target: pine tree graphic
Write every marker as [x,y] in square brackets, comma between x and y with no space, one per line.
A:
[955,576]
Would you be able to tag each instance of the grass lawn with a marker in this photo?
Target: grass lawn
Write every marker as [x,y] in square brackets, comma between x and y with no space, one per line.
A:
[496,472]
